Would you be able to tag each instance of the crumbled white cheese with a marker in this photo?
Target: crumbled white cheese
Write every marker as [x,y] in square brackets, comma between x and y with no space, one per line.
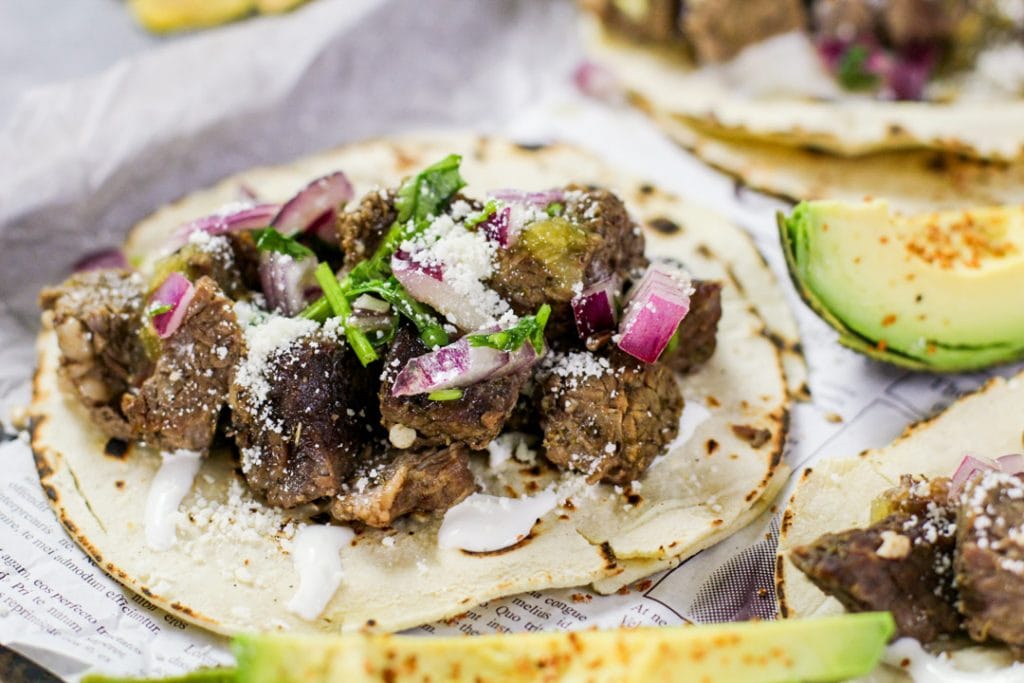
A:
[894,546]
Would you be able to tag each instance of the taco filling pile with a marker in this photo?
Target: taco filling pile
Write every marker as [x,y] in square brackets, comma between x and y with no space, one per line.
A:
[356,359]
[894,50]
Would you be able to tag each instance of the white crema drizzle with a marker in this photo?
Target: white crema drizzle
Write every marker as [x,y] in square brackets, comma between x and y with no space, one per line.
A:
[169,487]
[907,655]
[316,556]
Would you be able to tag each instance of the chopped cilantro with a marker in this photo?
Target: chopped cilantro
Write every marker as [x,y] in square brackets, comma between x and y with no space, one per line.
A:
[269,239]
[555,209]
[339,304]
[529,328]
[853,73]
[445,395]
[159,310]
[489,209]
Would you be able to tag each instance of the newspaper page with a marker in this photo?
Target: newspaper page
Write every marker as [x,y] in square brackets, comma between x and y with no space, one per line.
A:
[94,154]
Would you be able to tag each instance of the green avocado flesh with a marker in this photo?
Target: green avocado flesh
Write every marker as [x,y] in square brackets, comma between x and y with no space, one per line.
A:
[939,291]
[821,650]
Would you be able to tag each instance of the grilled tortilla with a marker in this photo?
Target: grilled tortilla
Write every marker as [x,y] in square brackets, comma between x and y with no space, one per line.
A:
[230,569]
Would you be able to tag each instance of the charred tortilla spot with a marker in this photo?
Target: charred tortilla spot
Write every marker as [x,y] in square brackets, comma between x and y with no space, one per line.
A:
[145,591]
[756,437]
[780,593]
[647,188]
[806,474]
[119,484]
[51,493]
[501,551]
[717,522]
[787,520]
[705,251]
[664,226]
[42,466]
[531,146]
[634,498]
[895,130]
[609,555]
[116,448]
[750,496]
[712,446]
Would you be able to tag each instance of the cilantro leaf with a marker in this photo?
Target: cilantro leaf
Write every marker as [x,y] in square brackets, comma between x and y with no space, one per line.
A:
[555,209]
[428,191]
[489,210]
[269,239]
[853,72]
[530,328]
[159,310]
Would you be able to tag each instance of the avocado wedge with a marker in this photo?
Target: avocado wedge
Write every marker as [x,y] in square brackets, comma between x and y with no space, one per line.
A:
[940,292]
[811,650]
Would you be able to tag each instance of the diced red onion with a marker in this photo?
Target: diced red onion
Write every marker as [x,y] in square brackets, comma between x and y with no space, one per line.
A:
[1011,464]
[540,199]
[314,205]
[460,365]
[177,292]
[285,281]
[656,306]
[496,227]
[105,258]
[425,282]
[597,81]
[907,75]
[323,227]
[967,468]
[230,219]
[594,308]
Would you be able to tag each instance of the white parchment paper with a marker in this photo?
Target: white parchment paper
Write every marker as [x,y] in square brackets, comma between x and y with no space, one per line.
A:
[82,162]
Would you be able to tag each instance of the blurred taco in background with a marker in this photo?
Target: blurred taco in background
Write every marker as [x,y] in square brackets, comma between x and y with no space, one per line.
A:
[848,77]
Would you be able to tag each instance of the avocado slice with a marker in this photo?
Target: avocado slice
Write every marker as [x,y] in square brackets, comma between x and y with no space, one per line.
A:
[939,291]
[828,649]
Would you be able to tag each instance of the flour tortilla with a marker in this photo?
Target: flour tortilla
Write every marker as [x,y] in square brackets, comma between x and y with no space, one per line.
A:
[848,126]
[836,494]
[233,573]
[913,181]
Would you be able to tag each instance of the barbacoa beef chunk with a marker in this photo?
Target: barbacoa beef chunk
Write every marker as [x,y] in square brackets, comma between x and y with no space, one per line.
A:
[231,261]
[474,419]
[398,482]
[719,29]
[302,412]
[97,316]
[697,333]
[550,260]
[361,230]
[990,559]
[656,20]
[608,417]
[178,405]
[903,563]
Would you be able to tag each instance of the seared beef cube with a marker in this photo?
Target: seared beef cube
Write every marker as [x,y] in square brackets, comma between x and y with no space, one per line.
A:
[398,482]
[990,559]
[903,563]
[695,339]
[846,20]
[608,417]
[474,419]
[922,22]
[648,20]
[720,29]
[231,261]
[552,259]
[97,316]
[302,413]
[361,230]
[177,406]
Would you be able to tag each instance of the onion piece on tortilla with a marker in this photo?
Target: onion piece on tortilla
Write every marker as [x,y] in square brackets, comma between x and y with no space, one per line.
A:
[656,306]
[171,298]
[233,218]
[315,207]
[460,365]
[105,258]
[286,281]
[971,465]
[594,308]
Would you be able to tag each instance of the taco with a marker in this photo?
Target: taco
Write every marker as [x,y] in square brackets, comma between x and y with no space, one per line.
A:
[254,442]
[847,77]
[927,528]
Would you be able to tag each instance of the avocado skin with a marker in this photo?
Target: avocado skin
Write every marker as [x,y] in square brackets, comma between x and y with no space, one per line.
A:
[221,675]
[793,235]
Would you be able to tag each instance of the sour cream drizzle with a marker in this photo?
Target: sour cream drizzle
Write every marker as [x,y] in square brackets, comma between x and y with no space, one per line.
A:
[483,522]
[316,556]
[907,655]
[170,485]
